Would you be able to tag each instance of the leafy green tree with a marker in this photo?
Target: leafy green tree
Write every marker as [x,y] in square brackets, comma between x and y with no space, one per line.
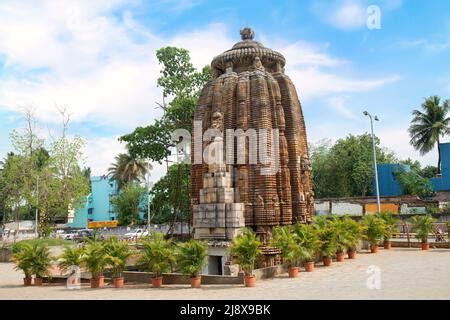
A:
[429,172]
[429,125]
[413,183]
[345,169]
[181,81]
[170,195]
[179,78]
[128,169]
[128,203]
[43,175]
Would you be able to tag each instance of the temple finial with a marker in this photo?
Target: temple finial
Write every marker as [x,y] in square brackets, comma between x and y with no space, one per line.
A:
[247,33]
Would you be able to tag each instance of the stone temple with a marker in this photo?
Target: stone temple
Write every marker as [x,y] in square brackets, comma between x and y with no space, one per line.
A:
[261,174]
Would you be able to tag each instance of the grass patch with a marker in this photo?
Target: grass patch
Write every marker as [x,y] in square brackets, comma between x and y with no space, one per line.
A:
[51,242]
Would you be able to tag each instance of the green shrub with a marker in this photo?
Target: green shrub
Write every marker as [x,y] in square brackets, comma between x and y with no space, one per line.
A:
[422,225]
[157,254]
[191,257]
[286,241]
[308,240]
[245,250]
[72,256]
[374,228]
[117,253]
[94,258]
[390,222]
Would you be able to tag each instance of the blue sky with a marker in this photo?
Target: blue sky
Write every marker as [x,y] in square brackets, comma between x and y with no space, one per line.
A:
[98,59]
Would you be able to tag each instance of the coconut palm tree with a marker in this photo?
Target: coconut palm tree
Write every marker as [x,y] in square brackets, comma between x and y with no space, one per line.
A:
[428,126]
[127,168]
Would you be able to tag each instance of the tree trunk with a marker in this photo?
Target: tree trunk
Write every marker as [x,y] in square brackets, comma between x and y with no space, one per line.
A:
[42,222]
[439,156]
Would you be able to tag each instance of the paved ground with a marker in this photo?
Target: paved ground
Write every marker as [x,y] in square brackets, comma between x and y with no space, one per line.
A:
[405,274]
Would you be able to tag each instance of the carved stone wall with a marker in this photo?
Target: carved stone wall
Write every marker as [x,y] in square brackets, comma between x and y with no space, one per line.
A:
[250,91]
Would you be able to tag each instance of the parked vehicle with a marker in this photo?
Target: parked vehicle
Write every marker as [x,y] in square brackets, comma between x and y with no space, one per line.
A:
[136,234]
[68,235]
[84,234]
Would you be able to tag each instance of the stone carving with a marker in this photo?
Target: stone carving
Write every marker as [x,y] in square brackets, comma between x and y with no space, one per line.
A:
[217,121]
[249,90]
[305,163]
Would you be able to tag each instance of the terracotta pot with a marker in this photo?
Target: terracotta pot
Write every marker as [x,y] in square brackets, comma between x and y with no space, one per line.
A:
[157,282]
[327,261]
[387,245]
[196,282]
[373,248]
[250,281]
[351,254]
[118,282]
[37,281]
[74,281]
[97,282]
[340,256]
[27,281]
[425,246]
[293,272]
[309,266]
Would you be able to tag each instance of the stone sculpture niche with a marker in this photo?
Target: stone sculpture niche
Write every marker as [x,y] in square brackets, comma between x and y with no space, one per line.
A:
[250,91]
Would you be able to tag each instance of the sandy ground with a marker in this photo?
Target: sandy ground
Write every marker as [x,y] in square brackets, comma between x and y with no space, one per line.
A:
[403,273]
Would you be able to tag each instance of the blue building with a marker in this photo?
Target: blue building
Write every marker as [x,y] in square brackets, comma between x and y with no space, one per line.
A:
[390,186]
[97,206]
[442,183]
[387,180]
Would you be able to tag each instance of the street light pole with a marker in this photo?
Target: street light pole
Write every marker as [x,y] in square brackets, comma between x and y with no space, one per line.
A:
[36,212]
[374,158]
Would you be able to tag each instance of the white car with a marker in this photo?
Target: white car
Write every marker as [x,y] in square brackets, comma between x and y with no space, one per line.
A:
[136,234]
[68,235]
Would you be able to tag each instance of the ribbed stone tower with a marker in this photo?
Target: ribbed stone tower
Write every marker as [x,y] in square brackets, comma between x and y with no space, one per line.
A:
[250,91]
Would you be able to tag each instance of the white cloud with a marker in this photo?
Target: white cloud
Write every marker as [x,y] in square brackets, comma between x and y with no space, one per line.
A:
[312,82]
[302,53]
[430,47]
[340,105]
[345,15]
[350,15]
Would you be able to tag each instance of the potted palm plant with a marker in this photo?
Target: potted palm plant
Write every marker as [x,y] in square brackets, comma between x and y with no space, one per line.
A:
[354,233]
[340,237]
[94,260]
[40,260]
[326,237]
[423,225]
[245,250]
[72,256]
[390,223]
[285,240]
[374,230]
[191,258]
[21,257]
[309,244]
[156,256]
[117,254]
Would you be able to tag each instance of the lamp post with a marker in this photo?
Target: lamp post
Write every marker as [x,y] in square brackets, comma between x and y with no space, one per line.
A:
[36,211]
[374,158]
